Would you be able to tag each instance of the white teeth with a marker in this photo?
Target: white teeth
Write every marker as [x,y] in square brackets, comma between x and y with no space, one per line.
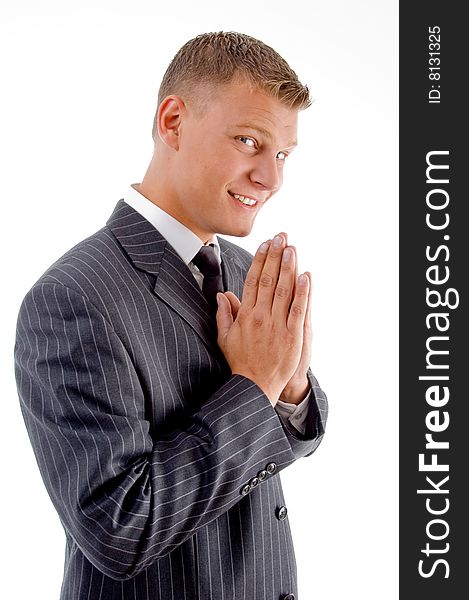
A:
[245,199]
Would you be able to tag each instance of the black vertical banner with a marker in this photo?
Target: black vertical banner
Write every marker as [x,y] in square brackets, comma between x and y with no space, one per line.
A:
[434,269]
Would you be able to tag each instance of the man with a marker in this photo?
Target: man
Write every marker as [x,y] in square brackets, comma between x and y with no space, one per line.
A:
[161,397]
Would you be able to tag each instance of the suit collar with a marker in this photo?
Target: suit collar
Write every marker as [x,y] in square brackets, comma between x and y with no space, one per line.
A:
[174,283]
[182,239]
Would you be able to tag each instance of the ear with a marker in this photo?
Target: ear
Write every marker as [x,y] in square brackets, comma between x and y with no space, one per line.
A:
[170,115]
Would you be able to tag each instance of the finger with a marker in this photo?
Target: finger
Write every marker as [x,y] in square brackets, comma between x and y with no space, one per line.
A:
[224,316]
[307,329]
[308,307]
[284,289]
[251,283]
[297,314]
[235,303]
[270,274]
[295,279]
[296,266]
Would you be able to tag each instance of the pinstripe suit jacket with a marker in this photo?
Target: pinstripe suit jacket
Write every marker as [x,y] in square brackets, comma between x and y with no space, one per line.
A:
[154,455]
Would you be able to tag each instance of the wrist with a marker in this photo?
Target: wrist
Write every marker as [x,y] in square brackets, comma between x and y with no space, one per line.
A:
[295,391]
[271,393]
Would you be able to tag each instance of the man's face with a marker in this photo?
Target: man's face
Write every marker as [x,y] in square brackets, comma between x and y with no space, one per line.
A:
[236,149]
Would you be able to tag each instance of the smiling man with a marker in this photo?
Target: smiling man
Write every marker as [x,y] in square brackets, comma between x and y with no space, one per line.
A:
[163,371]
[227,155]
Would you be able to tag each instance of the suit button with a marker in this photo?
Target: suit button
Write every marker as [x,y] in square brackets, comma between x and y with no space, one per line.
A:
[271,468]
[245,489]
[254,481]
[289,597]
[262,475]
[282,513]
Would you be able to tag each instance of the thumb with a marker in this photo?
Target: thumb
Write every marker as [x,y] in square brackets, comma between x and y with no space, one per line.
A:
[235,303]
[224,316]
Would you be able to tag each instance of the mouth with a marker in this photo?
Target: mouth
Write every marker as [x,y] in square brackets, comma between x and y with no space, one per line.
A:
[246,201]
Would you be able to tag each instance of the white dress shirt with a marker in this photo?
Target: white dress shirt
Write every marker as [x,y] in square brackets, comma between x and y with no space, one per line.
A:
[187,244]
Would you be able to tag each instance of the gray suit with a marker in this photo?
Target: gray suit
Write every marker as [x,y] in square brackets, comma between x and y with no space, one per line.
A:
[163,467]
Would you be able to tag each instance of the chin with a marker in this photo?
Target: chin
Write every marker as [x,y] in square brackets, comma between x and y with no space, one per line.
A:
[240,231]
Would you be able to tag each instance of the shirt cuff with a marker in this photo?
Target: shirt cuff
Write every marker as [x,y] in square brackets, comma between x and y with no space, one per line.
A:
[295,414]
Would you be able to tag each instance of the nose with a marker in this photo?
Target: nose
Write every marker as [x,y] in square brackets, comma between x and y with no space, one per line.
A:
[267,173]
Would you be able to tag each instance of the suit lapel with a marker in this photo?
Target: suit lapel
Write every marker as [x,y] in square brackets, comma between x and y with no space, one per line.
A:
[233,274]
[174,284]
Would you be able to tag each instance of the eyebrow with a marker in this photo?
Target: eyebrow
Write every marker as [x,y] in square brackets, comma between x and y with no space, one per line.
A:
[265,132]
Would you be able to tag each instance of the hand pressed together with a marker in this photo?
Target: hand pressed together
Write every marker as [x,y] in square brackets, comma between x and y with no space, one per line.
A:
[267,335]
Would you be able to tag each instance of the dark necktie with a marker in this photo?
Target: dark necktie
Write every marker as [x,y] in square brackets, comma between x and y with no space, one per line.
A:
[207,263]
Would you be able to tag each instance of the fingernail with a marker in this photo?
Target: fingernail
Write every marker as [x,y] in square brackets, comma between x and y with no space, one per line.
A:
[287,254]
[263,247]
[278,241]
[218,298]
[303,279]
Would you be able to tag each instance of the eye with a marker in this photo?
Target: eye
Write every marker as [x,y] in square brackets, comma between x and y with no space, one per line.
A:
[282,155]
[247,141]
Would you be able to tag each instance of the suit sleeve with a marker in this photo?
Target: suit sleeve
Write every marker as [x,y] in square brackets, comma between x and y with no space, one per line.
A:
[126,494]
[315,422]
[307,420]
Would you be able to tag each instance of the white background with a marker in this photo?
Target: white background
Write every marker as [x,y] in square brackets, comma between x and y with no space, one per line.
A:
[79,88]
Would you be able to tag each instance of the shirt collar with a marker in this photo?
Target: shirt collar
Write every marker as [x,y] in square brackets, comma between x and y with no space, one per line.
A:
[181,238]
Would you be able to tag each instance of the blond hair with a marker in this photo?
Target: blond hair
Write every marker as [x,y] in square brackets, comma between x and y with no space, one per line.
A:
[213,59]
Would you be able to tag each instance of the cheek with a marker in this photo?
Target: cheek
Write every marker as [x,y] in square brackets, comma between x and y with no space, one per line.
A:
[234,165]
[200,171]
[216,167]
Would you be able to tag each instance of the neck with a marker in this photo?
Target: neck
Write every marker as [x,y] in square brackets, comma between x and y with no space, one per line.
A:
[156,187]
